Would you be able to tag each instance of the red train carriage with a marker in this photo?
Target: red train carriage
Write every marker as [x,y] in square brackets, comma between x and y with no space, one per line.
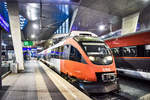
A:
[87,59]
[132,54]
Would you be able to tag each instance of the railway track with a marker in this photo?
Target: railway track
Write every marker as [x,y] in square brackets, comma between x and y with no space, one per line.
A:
[109,96]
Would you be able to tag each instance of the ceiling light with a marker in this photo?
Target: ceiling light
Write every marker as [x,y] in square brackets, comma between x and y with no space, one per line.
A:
[9,35]
[35,5]
[3,44]
[35,26]
[146,0]
[32,36]
[101,27]
[39,48]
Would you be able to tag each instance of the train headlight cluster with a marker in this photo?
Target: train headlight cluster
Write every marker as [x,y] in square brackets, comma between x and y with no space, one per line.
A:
[92,58]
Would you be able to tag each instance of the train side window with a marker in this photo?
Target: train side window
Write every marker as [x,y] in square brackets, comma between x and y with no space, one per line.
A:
[115,52]
[147,51]
[53,53]
[66,51]
[125,52]
[57,52]
[128,51]
[61,52]
[75,54]
[133,52]
[54,56]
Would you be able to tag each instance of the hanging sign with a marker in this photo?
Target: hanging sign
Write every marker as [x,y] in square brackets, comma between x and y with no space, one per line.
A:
[4,24]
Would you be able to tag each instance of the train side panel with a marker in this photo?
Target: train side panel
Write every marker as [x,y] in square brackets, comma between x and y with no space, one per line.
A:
[132,54]
[131,40]
[78,70]
[56,64]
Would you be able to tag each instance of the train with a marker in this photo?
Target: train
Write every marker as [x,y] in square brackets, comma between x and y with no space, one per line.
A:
[132,54]
[87,59]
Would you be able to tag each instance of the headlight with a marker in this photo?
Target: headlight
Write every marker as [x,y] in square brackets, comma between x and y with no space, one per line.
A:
[108,58]
[91,58]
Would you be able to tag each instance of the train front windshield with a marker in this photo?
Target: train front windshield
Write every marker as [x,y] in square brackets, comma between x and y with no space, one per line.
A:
[98,53]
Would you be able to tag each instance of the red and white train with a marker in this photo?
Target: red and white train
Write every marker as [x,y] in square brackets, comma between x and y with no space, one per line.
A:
[132,54]
[86,58]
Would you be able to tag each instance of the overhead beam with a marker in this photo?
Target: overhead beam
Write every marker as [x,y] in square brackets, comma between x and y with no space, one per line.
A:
[74,2]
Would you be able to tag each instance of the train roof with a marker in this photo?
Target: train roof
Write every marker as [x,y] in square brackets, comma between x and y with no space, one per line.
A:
[82,33]
[87,38]
[77,36]
[138,38]
[128,35]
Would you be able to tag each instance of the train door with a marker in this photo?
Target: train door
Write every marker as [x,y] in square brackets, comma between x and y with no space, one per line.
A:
[65,58]
[75,62]
[66,52]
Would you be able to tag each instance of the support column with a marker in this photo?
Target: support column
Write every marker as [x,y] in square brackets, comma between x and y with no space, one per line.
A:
[14,21]
[73,18]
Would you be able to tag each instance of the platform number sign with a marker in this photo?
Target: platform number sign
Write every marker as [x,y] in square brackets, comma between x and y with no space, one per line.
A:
[28,43]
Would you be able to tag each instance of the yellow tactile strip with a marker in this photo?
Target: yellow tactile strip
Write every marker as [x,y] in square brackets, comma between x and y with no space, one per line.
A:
[42,91]
[68,90]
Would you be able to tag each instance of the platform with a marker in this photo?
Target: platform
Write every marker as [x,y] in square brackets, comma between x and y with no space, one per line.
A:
[38,82]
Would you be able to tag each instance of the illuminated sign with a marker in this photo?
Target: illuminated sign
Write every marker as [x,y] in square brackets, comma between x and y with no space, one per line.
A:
[4,24]
[28,43]
[30,49]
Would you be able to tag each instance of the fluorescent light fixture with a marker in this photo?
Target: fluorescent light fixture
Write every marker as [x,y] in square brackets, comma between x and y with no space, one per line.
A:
[102,37]
[32,36]
[32,12]
[35,5]
[101,27]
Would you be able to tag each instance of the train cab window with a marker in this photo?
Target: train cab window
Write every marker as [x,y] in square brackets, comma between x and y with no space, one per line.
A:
[75,54]
[98,53]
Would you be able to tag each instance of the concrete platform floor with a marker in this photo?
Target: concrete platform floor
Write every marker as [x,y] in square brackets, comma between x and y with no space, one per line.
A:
[38,82]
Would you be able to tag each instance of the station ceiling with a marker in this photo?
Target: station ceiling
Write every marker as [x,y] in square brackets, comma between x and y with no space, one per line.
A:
[91,14]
